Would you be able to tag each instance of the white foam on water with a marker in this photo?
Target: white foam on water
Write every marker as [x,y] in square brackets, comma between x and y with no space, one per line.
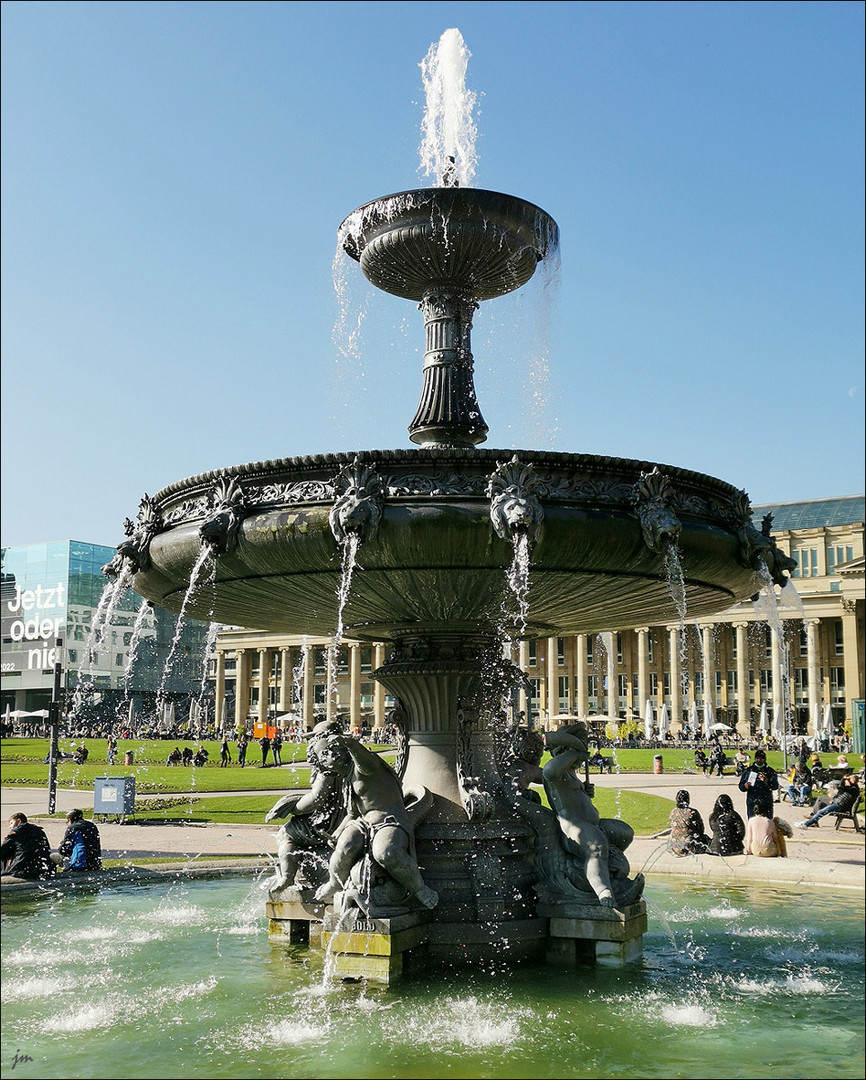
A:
[723,911]
[791,984]
[86,1019]
[170,913]
[30,956]
[467,1022]
[759,932]
[142,937]
[188,991]
[287,1033]
[93,933]
[37,986]
[690,1015]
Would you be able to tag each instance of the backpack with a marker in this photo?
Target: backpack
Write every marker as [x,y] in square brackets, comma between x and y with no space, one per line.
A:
[78,858]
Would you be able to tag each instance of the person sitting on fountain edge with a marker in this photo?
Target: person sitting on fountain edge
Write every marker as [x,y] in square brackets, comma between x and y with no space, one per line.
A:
[81,845]
[687,828]
[25,852]
[765,835]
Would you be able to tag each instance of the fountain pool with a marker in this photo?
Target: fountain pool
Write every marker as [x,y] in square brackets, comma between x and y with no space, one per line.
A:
[179,979]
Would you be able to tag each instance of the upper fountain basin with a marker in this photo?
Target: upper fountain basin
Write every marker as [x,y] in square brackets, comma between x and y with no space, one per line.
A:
[435,560]
[476,243]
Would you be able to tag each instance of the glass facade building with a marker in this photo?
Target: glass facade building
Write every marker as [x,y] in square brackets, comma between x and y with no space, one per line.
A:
[112,646]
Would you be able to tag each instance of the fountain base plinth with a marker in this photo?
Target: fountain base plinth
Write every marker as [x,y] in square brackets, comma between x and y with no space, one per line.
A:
[294,917]
[588,934]
[358,947]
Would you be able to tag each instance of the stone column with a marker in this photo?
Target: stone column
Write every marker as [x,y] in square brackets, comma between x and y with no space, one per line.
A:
[813,675]
[264,685]
[676,675]
[744,690]
[309,677]
[776,676]
[642,670]
[709,667]
[219,688]
[355,685]
[612,689]
[242,689]
[378,688]
[285,694]
[523,664]
[853,648]
[552,677]
[581,697]
[448,412]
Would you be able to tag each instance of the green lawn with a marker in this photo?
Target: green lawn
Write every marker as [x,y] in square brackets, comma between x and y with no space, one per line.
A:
[647,814]
[23,762]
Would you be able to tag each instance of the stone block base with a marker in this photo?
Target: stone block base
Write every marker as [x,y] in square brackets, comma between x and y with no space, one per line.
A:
[587,934]
[294,917]
[375,949]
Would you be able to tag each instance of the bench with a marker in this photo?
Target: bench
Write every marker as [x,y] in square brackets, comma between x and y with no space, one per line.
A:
[850,815]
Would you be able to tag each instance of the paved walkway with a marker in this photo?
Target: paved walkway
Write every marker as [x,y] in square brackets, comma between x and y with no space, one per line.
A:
[816,856]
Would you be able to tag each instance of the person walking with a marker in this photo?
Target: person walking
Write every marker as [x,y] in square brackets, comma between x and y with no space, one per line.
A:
[276,746]
[265,744]
[225,753]
[242,749]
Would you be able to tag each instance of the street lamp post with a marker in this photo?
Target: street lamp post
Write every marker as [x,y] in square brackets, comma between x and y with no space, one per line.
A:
[54,727]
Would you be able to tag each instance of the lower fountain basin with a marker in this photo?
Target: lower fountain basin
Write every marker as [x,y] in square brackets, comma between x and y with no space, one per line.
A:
[435,561]
[167,974]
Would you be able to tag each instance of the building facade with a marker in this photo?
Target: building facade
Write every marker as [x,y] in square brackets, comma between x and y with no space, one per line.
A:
[108,648]
[801,653]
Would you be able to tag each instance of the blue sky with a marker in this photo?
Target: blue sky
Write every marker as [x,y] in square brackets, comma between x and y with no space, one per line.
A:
[174,175]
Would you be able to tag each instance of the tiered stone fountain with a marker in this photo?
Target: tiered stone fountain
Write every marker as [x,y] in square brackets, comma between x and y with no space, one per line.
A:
[437,526]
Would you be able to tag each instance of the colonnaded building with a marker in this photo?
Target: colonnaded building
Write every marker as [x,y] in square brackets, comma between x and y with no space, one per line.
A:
[747,663]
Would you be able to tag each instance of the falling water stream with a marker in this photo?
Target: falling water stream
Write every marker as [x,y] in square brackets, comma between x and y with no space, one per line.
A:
[350,545]
[204,564]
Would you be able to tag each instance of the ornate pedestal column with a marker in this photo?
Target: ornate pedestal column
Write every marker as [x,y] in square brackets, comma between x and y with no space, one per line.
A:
[472,848]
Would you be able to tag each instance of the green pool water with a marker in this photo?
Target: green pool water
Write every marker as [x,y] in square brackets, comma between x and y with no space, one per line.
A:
[180,981]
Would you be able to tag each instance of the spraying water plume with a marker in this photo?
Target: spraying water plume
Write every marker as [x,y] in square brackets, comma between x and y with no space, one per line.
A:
[449,131]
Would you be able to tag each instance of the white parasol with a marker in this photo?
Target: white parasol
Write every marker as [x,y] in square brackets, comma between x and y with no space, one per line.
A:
[648,720]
